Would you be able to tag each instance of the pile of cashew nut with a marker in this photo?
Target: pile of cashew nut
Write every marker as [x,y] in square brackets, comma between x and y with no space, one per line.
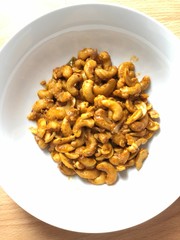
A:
[94,118]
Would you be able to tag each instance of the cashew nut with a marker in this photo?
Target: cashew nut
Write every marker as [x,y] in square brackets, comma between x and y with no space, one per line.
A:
[105,89]
[110,170]
[88,173]
[87,53]
[64,71]
[115,107]
[87,90]
[106,74]
[142,155]
[72,82]
[105,58]
[125,65]
[89,68]
[80,123]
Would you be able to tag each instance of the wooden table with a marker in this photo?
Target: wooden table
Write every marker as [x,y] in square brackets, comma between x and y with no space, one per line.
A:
[15,223]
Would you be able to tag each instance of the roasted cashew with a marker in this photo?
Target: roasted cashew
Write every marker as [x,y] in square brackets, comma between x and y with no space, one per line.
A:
[71,83]
[87,162]
[64,97]
[78,142]
[53,126]
[66,161]
[145,82]
[87,53]
[66,127]
[115,107]
[126,91]
[105,89]
[106,74]
[119,139]
[89,68]
[110,170]
[153,113]
[101,179]
[71,155]
[130,81]
[42,104]
[65,170]
[140,125]
[41,143]
[63,148]
[79,63]
[44,94]
[105,58]
[64,71]
[49,137]
[87,90]
[103,137]
[138,114]
[142,155]
[102,121]
[152,125]
[125,65]
[91,144]
[130,106]
[63,140]
[55,113]
[120,158]
[88,173]
[80,123]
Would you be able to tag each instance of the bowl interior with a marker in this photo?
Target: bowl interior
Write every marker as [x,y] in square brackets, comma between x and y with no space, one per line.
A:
[29,175]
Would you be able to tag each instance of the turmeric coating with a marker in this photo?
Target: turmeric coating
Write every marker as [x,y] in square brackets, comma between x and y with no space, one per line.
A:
[94,117]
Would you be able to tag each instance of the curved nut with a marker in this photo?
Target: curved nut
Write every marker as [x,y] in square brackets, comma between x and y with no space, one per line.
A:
[89,68]
[80,123]
[79,63]
[71,83]
[66,127]
[91,145]
[115,107]
[125,65]
[49,137]
[88,173]
[44,94]
[153,113]
[130,106]
[65,170]
[55,113]
[105,58]
[71,155]
[41,143]
[54,126]
[66,161]
[130,81]
[88,162]
[87,53]
[140,125]
[64,97]
[102,121]
[142,155]
[78,142]
[152,125]
[101,179]
[135,116]
[126,91]
[120,158]
[87,90]
[63,71]
[106,74]
[42,104]
[145,82]
[119,139]
[105,89]
[63,140]
[110,170]
[63,148]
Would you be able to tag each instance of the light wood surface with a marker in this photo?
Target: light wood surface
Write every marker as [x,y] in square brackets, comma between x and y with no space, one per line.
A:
[16,224]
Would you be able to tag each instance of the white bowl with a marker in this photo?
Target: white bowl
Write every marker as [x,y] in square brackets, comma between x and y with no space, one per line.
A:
[30,176]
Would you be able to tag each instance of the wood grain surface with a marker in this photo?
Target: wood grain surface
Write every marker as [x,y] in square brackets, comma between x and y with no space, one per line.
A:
[16,224]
